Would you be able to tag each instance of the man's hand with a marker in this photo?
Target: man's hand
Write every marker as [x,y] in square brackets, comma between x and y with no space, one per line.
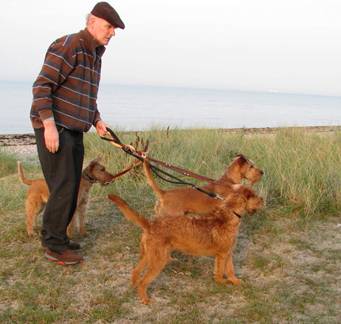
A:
[101,128]
[51,136]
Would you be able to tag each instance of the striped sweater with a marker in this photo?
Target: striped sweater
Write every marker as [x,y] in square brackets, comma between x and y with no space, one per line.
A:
[66,87]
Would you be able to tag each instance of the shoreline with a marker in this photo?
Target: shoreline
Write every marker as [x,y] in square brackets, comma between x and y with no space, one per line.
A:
[29,138]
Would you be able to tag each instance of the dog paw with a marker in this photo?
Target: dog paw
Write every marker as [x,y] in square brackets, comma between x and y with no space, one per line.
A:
[145,300]
[134,282]
[221,281]
[234,281]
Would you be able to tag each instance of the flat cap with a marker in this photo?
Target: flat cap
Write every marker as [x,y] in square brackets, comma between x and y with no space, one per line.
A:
[105,11]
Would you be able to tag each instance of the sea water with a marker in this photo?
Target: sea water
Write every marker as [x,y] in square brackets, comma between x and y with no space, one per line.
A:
[144,107]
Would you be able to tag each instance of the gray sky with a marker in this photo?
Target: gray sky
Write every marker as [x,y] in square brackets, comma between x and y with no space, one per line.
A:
[262,45]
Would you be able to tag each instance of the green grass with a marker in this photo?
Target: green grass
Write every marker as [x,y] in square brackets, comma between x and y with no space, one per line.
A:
[302,169]
[287,255]
[7,165]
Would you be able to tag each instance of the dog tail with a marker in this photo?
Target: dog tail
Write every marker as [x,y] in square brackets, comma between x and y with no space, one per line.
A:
[21,175]
[129,213]
[150,180]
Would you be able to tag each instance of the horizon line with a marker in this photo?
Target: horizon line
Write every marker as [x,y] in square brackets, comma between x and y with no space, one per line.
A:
[148,85]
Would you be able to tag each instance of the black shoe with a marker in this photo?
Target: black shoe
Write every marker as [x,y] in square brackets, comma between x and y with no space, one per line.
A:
[73,245]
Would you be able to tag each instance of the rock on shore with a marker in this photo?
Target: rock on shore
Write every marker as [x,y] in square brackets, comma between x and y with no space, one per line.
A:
[17,139]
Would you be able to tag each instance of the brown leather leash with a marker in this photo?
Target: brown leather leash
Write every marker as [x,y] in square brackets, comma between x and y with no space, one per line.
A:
[127,169]
[129,149]
[185,172]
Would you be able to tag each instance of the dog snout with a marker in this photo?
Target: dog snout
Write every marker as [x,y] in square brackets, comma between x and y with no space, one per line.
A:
[109,179]
[107,182]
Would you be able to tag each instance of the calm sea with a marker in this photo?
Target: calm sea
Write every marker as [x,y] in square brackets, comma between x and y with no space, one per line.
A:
[143,107]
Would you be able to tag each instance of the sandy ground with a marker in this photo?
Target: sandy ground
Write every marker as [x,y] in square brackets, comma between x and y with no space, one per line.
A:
[22,150]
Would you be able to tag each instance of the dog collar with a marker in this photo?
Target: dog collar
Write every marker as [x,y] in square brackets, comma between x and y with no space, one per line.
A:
[88,178]
[238,215]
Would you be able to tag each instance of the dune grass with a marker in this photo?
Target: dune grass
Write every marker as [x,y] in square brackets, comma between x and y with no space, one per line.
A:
[287,255]
[302,170]
[7,165]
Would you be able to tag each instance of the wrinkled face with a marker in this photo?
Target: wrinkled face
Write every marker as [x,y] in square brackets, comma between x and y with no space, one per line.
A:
[252,173]
[101,30]
[249,170]
[97,171]
[253,204]
[253,201]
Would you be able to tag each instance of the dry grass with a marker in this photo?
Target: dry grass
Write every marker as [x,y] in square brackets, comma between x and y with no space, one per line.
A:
[289,264]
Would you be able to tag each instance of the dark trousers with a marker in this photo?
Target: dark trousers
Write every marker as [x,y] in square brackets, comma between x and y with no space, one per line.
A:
[62,172]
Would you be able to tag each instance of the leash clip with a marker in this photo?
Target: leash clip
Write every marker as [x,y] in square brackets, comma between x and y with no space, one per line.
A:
[217,196]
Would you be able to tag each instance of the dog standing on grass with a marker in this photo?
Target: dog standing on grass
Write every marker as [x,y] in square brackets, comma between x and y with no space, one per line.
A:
[180,201]
[211,235]
[38,194]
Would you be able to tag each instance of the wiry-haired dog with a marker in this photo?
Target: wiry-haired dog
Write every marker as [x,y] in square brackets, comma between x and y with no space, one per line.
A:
[38,194]
[211,235]
[180,201]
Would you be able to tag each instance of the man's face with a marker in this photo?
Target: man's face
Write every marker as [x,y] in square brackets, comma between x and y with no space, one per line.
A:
[101,30]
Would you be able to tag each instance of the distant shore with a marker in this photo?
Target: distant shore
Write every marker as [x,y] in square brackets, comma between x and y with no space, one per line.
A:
[29,139]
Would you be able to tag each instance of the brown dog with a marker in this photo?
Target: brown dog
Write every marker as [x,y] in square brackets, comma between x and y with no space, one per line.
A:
[211,235]
[38,194]
[180,201]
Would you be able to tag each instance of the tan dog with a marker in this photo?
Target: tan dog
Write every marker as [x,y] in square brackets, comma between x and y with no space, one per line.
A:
[180,201]
[38,194]
[211,235]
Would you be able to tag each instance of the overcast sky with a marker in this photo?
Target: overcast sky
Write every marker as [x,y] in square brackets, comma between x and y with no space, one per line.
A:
[261,45]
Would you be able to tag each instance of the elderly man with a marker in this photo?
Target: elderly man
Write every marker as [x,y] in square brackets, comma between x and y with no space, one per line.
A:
[64,106]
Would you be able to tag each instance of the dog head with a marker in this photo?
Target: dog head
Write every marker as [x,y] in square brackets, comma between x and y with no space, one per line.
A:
[243,200]
[95,173]
[245,169]
[253,201]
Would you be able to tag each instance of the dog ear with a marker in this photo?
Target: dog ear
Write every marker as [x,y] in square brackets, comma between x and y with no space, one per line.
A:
[96,160]
[92,164]
[244,190]
[235,201]
[248,193]
[241,159]
[241,202]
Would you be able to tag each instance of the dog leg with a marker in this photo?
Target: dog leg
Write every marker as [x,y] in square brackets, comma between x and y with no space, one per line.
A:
[229,270]
[71,227]
[33,206]
[156,262]
[219,263]
[135,275]
[81,218]
[149,276]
